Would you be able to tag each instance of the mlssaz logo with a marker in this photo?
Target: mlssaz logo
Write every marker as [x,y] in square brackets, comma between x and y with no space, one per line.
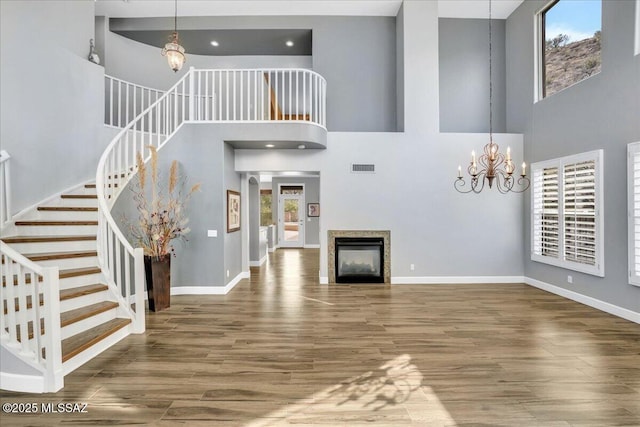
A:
[62,408]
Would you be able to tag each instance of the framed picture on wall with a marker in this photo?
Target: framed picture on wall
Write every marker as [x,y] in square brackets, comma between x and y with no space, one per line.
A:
[233,211]
[313,209]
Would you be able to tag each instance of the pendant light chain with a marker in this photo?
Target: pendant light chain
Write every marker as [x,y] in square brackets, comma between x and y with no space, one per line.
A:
[490,81]
[175,18]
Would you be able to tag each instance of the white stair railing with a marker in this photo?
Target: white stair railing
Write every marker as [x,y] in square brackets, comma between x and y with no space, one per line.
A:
[30,325]
[221,96]
[125,100]
[5,189]
[122,265]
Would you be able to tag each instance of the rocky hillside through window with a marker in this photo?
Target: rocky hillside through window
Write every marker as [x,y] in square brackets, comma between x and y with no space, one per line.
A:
[568,63]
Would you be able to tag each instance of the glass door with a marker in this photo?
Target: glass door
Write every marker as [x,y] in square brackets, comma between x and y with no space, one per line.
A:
[291,220]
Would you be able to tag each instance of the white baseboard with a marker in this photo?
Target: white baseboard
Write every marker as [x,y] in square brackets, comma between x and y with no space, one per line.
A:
[22,383]
[272,249]
[624,313]
[258,263]
[433,280]
[312,246]
[210,290]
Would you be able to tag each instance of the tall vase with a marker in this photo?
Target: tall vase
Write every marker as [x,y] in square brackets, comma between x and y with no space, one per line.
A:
[158,274]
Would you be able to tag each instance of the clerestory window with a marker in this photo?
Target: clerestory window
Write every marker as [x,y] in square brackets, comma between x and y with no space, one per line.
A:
[569,44]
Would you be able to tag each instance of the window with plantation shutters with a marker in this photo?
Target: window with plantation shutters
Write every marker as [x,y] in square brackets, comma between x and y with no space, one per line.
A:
[567,213]
[633,205]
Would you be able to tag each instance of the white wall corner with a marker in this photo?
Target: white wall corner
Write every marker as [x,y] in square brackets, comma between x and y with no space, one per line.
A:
[258,263]
[324,280]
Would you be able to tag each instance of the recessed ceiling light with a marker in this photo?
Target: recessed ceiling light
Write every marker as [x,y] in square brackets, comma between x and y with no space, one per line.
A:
[215,43]
[301,147]
[269,145]
[289,43]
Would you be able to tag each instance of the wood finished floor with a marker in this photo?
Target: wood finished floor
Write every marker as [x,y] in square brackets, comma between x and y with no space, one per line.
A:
[281,349]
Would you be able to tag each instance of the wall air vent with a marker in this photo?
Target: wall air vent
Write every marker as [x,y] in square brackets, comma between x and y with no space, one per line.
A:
[363,168]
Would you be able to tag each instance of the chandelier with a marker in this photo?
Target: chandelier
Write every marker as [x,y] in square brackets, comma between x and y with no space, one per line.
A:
[492,166]
[172,50]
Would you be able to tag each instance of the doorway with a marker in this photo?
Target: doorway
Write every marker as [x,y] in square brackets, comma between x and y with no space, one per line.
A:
[291,215]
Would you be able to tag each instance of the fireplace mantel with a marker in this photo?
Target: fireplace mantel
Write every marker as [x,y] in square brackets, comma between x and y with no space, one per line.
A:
[384,234]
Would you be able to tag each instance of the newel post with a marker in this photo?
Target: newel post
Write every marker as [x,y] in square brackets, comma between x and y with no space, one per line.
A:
[139,282]
[54,379]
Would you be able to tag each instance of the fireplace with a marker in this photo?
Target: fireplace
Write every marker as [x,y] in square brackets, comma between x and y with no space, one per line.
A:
[359,256]
[359,259]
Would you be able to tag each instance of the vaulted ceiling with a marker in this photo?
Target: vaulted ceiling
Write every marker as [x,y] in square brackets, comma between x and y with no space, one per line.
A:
[147,8]
[127,19]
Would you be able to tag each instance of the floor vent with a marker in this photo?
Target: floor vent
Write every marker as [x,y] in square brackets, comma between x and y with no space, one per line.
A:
[363,168]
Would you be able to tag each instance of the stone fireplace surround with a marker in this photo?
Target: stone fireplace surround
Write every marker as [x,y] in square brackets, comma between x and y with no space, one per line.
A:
[384,234]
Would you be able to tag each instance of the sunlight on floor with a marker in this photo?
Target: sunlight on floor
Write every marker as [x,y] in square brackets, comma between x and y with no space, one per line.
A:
[392,394]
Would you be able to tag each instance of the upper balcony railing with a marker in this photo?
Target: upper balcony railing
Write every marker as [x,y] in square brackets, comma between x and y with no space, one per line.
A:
[125,100]
[233,95]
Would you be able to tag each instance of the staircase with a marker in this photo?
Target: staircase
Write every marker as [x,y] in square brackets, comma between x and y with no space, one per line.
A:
[69,254]
[62,233]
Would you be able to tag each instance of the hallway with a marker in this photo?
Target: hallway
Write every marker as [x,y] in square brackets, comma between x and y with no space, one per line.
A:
[281,349]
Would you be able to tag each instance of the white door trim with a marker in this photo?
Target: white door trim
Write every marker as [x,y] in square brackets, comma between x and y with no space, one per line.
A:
[282,243]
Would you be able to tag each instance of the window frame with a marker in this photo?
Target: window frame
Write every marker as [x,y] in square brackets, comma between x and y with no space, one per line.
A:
[540,72]
[632,149]
[264,192]
[560,261]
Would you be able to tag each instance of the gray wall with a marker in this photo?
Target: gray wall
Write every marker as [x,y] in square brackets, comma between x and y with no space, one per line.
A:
[464,75]
[232,241]
[400,70]
[602,112]
[356,55]
[254,220]
[412,192]
[200,260]
[52,97]
[311,195]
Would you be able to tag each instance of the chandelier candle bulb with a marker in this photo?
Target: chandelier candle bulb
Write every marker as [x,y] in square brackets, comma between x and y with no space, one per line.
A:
[509,153]
[524,169]
[460,172]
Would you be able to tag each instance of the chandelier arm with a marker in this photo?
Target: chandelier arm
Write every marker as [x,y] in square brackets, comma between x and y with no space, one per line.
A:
[459,184]
[478,185]
[504,182]
[523,181]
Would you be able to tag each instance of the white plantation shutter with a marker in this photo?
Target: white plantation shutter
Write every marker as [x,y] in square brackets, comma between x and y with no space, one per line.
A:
[566,213]
[545,207]
[634,212]
[580,212]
